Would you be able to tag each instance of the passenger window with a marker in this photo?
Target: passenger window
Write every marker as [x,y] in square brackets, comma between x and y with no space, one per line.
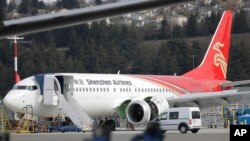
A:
[86,89]
[107,89]
[75,81]
[173,115]
[114,89]
[196,115]
[83,89]
[80,81]
[97,89]
[90,89]
[135,89]
[120,89]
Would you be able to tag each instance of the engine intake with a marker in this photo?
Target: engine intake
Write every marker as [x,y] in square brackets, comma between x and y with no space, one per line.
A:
[142,111]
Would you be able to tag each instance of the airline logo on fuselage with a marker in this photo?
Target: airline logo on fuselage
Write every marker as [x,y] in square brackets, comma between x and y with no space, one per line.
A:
[219,58]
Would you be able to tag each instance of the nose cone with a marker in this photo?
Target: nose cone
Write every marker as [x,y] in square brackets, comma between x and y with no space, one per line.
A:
[13,101]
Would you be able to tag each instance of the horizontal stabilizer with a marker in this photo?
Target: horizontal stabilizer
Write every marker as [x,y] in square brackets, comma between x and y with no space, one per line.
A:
[235,83]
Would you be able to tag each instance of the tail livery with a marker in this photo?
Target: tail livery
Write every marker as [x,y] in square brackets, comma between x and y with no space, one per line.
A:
[214,64]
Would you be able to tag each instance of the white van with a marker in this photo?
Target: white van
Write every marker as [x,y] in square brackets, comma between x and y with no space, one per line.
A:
[182,119]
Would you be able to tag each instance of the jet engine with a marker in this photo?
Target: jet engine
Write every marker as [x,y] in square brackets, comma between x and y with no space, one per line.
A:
[142,111]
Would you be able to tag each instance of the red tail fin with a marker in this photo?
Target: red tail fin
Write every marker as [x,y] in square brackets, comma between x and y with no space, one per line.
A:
[214,64]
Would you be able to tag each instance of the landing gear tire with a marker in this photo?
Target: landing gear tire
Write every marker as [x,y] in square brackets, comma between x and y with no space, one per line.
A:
[163,131]
[110,124]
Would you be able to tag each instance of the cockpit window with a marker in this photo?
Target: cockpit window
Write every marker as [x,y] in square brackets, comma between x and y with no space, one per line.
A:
[19,87]
[31,88]
[22,87]
[34,87]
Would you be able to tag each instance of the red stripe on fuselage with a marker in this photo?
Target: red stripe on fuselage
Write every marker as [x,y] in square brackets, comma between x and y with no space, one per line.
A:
[184,85]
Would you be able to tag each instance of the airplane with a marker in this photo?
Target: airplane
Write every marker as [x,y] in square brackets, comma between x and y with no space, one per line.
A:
[139,98]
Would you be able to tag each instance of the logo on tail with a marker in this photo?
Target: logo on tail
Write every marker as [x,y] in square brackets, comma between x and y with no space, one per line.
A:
[219,58]
[214,64]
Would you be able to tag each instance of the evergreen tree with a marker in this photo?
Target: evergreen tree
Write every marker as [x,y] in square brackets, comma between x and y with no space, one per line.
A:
[3,5]
[41,5]
[23,7]
[98,2]
[75,46]
[240,24]
[11,6]
[70,4]
[163,30]
[212,22]
[166,62]
[83,32]
[191,29]
[245,57]
[197,52]
[90,56]
[59,4]
[177,31]
[28,7]
[142,61]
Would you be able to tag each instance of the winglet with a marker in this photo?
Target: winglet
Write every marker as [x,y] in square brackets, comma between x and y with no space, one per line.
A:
[214,64]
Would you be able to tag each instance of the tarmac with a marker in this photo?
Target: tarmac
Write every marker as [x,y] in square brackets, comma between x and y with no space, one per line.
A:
[206,134]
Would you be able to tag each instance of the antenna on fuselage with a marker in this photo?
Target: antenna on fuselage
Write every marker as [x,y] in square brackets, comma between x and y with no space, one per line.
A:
[118,72]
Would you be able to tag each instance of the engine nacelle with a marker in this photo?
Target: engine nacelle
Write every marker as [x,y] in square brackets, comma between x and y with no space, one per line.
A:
[142,111]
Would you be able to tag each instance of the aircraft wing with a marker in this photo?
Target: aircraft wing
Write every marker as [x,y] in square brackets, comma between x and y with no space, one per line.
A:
[205,100]
[78,16]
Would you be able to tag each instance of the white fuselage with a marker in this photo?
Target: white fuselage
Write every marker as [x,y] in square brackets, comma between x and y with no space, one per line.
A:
[97,94]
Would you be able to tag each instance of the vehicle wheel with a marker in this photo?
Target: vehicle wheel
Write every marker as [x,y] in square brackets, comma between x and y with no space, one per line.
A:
[163,131]
[194,130]
[62,131]
[36,130]
[110,124]
[183,128]
[49,130]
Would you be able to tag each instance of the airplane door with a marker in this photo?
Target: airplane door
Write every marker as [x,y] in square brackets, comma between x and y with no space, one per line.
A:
[50,90]
[68,86]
